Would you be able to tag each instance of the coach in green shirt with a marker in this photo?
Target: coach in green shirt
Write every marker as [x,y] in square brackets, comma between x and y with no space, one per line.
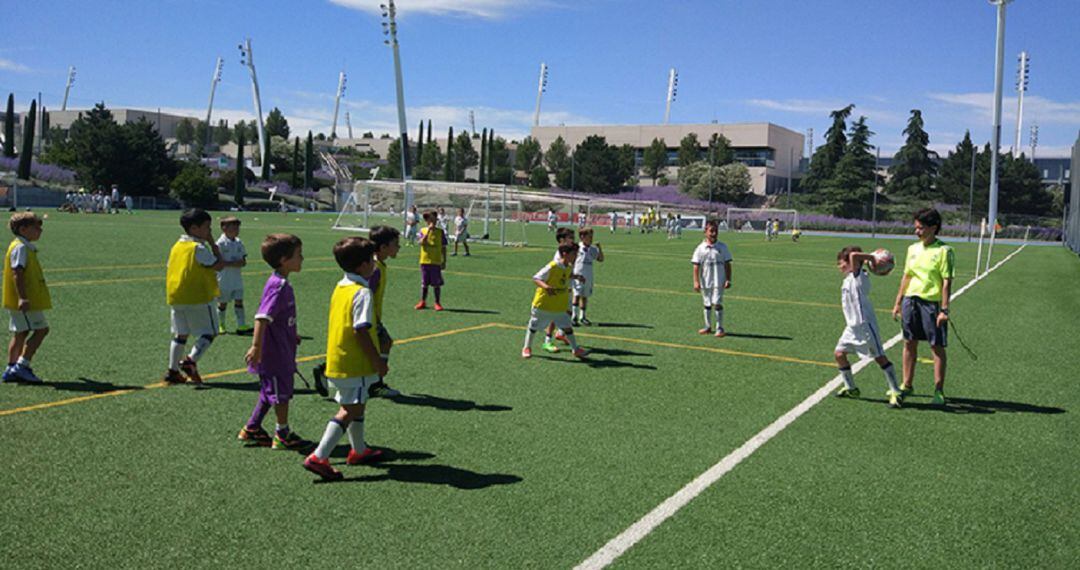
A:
[923,299]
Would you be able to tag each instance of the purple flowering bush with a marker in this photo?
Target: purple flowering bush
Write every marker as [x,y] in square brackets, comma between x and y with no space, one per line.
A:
[40,171]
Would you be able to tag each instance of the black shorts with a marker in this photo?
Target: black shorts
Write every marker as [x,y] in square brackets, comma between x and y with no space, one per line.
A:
[919,321]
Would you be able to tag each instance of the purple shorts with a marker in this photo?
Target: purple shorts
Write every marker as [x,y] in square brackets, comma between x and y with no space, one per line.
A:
[276,389]
[431,276]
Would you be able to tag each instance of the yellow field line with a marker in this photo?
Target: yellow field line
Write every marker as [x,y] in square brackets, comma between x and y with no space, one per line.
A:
[213,375]
[728,352]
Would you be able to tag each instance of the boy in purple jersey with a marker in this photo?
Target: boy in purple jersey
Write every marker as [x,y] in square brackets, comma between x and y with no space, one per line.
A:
[272,355]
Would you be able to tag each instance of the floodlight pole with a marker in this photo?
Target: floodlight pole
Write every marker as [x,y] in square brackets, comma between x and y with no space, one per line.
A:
[213,87]
[348,123]
[1021,88]
[67,88]
[390,30]
[1034,140]
[249,60]
[672,83]
[971,190]
[873,213]
[995,139]
[540,88]
[337,103]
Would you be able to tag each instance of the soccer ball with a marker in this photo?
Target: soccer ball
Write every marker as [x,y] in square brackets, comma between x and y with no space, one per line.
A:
[883,262]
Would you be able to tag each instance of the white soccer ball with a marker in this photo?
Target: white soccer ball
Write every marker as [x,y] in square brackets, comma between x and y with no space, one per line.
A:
[883,262]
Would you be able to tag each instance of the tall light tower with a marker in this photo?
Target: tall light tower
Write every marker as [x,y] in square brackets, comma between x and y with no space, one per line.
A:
[348,123]
[1021,88]
[389,24]
[995,137]
[672,91]
[337,103]
[1034,140]
[247,57]
[472,123]
[213,88]
[67,88]
[540,89]
[809,143]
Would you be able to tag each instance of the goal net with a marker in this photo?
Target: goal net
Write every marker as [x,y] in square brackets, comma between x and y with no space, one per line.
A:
[491,214]
[755,219]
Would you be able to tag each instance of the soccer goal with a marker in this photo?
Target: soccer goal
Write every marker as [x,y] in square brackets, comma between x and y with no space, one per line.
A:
[373,203]
[753,219]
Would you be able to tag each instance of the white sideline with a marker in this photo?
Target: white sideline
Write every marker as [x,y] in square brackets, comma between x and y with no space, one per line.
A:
[665,510]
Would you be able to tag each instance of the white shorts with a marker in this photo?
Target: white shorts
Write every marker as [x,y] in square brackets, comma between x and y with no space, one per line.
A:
[582,288]
[22,321]
[540,319]
[231,295]
[194,320]
[352,390]
[864,340]
[711,296]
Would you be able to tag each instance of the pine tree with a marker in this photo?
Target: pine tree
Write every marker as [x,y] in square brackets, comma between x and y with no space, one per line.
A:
[655,159]
[490,156]
[9,127]
[309,162]
[913,170]
[420,145]
[483,155]
[448,174]
[28,143]
[295,180]
[954,177]
[826,157]
[429,131]
[720,152]
[465,156]
[266,159]
[689,150]
[240,183]
[850,189]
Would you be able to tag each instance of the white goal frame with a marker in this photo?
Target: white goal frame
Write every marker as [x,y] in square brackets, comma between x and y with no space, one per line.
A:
[761,214]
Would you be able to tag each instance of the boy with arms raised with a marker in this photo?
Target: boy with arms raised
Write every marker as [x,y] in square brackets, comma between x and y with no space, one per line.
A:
[272,356]
[551,298]
[432,260]
[26,297]
[387,244]
[190,290]
[230,279]
[353,363]
[861,335]
[586,255]
[923,299]
[712,275]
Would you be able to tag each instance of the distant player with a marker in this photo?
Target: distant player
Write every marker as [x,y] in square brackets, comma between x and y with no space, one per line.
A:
[614,220]
[191,287]
[552,220]
[768,229]
[583,267]
[412,219]
[629,222]
[712,275]
[582,219]
[444,223]
[551,298]
[272,356]
[678,226]
[26,297]
[461,232]
[353,364]
[387,244]
[861,335]
[795,235]
[432,260]
[230,279]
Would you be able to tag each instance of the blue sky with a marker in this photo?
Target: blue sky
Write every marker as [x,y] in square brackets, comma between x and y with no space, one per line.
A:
[784,61]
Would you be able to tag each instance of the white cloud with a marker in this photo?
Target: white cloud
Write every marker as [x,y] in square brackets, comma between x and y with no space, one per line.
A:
[8,65]
[822,107]
[487,9]
[1045,110]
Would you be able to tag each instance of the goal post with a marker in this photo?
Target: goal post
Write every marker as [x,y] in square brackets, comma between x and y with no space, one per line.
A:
[753,219]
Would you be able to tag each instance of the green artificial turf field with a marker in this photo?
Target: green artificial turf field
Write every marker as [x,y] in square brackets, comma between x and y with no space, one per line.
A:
[499,462]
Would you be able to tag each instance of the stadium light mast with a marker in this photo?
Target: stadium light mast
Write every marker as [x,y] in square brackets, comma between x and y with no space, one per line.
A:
[540,89]
[389,12]
[1033,138]
[472,123]
[809,143]
[337,103]
[67,88]
[248,58]
[213,87]
[348,123]
[1021,87]
[995,137]
[672,91]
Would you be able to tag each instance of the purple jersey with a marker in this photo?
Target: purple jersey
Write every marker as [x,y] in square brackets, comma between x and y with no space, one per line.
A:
[278,308]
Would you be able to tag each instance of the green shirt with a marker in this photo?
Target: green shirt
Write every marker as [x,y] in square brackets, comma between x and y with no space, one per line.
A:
[928,266]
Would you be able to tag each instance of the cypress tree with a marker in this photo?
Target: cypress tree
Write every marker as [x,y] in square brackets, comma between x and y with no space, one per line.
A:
[28,143]
[266,159]
[295,181]
[483,155]
[420,144]
[309,161]
[44,125]
[9,127]
[240,183]
[448,173]
[429,131]
[827,156]
[490,159]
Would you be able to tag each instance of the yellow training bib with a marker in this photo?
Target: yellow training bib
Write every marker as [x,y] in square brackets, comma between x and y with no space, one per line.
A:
[344,358]
[558,298]
[33,280]
[188,282]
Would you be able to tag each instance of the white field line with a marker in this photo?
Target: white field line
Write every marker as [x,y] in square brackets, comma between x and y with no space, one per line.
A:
[665,510]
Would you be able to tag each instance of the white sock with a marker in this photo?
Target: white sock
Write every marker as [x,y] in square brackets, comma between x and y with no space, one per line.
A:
[529,338]
[329,440]
[547,339]
[201,344]
[890,377]
[281,428]
[849,378]
[240,320]
[221,315]
[573,341]
[583,312]
[23,361]
[356,435]
[176,352]
[719,317]
[708,317]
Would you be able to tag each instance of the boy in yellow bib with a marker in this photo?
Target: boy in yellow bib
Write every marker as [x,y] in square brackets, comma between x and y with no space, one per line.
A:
[353,363]
[551,299]
[191,288]
[26,297]
[432,260]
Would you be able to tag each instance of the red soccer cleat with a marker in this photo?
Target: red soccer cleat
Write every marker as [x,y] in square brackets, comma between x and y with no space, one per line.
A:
[581,353]
[322,468]
[173,377]
[366,457]
[191,370]
[705,330]
[438,307]
[526,353]
[561,337]
[720,333]
[421,305]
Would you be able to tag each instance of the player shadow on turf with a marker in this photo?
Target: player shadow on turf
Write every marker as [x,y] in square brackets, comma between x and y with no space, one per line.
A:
[455,477]
[471,311]
[623,326]
[342,451]
[759,336]
[244,387]
[84,385]
[597,362]
[974,406]
[429,401]
[617,352]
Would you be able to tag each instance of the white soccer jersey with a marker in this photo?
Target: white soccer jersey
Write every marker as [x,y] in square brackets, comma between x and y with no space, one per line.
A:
[229,278]
[552,218]
[583,265]
[461,223]
[410,218]
[855,300]
[711,259]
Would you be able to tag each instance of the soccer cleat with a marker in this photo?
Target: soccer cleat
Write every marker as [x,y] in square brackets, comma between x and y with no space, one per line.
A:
[23,373]
[322,468]
[575,322]
[526,353]
[245,331]
[438,307]
[421,305]
[895,399]
[705,330]
[381,390]
[720,333]
[191,370]
[173,377]
[453,254]
[549,347]
[586,322]
[257,435]
[561,337]
[938,399]
[221,329]
[581,353]
[291,442]
[366,457]
[846,392]
[906,390]
[9,374]
[467,254]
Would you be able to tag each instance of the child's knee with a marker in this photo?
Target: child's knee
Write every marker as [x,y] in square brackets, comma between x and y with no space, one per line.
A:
[239,304]
[40,333]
